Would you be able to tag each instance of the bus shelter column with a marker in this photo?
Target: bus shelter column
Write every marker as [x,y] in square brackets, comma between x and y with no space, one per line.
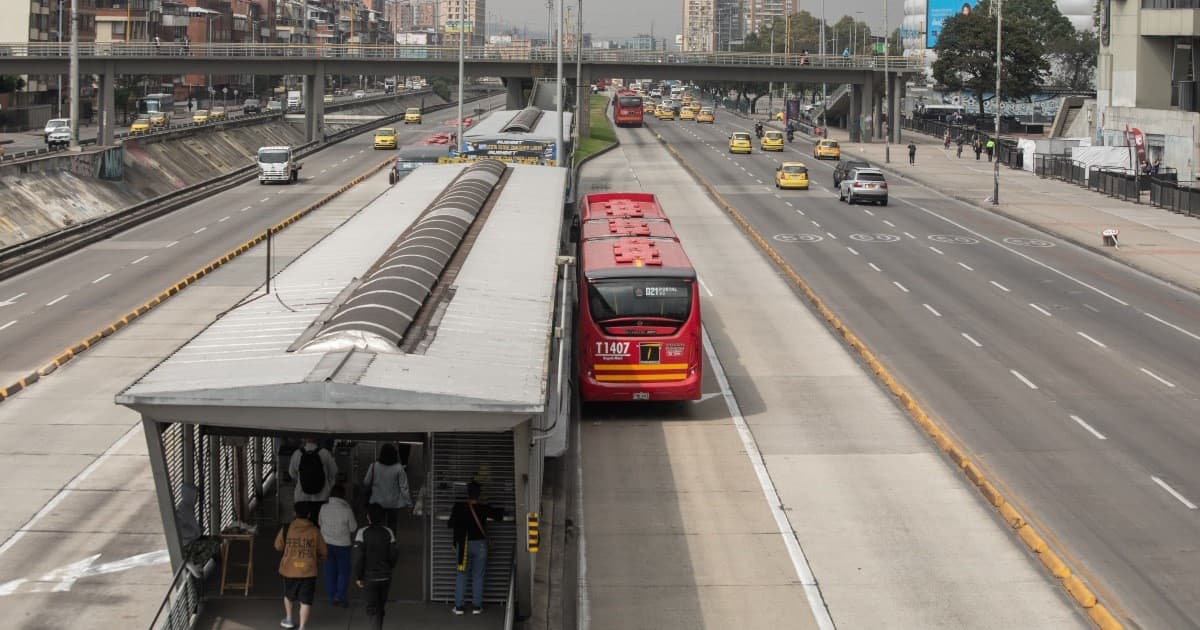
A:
[583,108]
[108,111]
[153,431]
[515,97]
[894,113]
[521,507]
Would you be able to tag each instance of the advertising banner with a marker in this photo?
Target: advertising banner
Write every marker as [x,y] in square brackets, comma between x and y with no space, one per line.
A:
[526,151]
[936,12]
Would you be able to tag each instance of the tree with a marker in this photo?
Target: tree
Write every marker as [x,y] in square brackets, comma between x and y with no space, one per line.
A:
[11,83]
[967,53]
[1075,61]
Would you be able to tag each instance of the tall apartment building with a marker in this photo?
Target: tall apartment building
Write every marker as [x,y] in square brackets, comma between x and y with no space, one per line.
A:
[760,13]
[730,25]
[699,25]
[1146,80]
[472,14]
[38,21]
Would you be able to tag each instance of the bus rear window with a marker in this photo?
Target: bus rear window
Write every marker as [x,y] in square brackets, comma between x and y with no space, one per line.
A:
[641,298]
[629,101]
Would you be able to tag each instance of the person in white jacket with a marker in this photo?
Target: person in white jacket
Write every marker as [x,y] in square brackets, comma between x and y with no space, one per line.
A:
[387,482]
[337,528]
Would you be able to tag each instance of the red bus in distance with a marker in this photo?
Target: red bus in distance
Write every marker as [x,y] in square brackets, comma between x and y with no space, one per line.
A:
[627,110]
[639,315]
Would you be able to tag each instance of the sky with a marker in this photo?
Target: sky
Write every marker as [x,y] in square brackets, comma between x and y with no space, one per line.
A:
[619,19]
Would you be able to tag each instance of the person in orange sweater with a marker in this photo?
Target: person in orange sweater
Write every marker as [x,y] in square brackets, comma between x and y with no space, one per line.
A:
[303,551]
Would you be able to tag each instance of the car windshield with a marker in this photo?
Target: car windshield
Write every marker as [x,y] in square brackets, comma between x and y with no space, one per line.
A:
[385,132]
[412,110]
[706,111]
[774,135]
[201,112]
[829,143]
[614,299]
[272,157]
[741,136]
[57,122]
[795,170]
[142,121]
[869,177]
[252,101]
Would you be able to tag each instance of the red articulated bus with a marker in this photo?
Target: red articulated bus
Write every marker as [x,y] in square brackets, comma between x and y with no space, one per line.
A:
[639,313]
[628,109]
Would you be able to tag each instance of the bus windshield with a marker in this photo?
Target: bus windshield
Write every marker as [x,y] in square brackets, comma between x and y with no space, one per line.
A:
[640,298]
[147,105]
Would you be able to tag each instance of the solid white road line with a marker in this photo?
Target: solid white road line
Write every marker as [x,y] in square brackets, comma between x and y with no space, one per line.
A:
[1157,377]
[200,230]
[57,300]
[972,340]
[932,310]
[139,260]
[875,267]
[1099,435]
[13,298]
[816,601]
[1182,499]
[852,250]
[170,245]
[889,223]
[909,235]
[966,266]
[1021,377]
[1089,338]
[1040,310]
[101,278]
[900,286]
[936,250]
[704,286]
[1091,308]
[1169,324]
[8,324]
[999,286]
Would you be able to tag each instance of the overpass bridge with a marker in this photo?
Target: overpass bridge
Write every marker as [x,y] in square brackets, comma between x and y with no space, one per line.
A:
[866,74]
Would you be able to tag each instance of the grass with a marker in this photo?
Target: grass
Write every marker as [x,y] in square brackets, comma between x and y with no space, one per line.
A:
[602,134]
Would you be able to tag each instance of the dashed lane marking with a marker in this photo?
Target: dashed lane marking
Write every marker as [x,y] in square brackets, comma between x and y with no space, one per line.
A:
[900,286]
[889,223]
[1090,338]
[852,250]
[875,267]
[1173,492]
[972,340]
[1085,425]
[200,230]
[999,286]
[1021,377]
[170,245]
[8,324]
[1157,377]
[831,235]
[264,200]
[224,220]
[57,300]
[936,251]
[932,310]
[139,260]
[1170,325]
[101,278]
[1040,310]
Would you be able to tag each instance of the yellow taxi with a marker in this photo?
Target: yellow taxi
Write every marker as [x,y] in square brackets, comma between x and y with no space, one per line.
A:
[696,107]
[200,116]
[648,108]
[705,115]
[141,125]
[159,119]
[412,115]
[771,141]
[385,138]
[739,142]
[217,113]
[827,149]
[687,114]
[665,112]
[791,175]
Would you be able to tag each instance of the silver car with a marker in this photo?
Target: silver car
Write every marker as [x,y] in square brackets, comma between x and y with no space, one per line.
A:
[864,184]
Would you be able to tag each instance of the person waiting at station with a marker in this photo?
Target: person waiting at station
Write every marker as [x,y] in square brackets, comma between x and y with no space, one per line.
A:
[375,557]
[303,551]
[471,543]
[314,470]
[337,528]
[386,484]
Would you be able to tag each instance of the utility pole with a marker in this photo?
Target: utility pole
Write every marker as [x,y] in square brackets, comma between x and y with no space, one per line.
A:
[74,78]
[58,109]
[558,95]
[887,97]
[996,158]
[462,9]
[824,98]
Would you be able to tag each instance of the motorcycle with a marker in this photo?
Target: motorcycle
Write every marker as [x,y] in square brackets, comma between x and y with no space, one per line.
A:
[790,135]
[758,130]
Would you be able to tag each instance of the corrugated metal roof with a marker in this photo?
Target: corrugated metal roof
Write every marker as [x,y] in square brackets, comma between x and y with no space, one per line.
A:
[492,126]
[488,360]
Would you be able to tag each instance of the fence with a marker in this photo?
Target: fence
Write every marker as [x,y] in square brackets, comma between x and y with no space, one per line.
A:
[1175,196]
[1164,188]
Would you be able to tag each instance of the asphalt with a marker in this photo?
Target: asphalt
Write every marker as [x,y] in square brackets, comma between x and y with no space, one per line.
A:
[796,486]
[1072,377]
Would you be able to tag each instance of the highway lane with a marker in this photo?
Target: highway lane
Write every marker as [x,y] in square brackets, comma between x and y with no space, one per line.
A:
[52,307]
[1073,377]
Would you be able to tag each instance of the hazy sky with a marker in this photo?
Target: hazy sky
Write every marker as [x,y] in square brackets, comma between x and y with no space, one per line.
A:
[613,19]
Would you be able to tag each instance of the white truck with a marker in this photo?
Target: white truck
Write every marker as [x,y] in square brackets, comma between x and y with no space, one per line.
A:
[293,100]
[277,164]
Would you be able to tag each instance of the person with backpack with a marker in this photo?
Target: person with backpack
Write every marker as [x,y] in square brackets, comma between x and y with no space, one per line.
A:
[303,551]
[337,528]
[375,557]
[386,484]
[314,470]
[470,542]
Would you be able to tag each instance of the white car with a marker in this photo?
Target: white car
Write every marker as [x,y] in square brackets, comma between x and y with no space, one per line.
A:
[59,136]
[359,94]
[54,123]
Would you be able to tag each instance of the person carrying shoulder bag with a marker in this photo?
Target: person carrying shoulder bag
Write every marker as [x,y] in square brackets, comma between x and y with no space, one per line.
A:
[386,484]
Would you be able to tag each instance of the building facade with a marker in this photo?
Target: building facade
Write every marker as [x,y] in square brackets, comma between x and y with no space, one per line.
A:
[470,14]
[1146,79]
[699,26]
[758,14]
[43,21]
[730,24]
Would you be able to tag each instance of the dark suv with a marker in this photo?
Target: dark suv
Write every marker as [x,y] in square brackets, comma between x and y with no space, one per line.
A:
[844,168]
[252,106]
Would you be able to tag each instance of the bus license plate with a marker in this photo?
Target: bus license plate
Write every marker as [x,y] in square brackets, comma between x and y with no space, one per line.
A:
[650,352]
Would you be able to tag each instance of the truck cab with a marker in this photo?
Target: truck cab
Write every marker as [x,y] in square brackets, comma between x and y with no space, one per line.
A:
[277,164]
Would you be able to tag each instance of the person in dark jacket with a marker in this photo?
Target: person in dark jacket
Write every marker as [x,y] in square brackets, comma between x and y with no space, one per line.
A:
[374,558]
[468,519]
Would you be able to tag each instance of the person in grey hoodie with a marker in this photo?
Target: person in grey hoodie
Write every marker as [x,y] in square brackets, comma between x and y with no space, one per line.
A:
[387,483]
[337,528]
[329,467]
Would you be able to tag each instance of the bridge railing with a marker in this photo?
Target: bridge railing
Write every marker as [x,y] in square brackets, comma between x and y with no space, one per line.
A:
[450,53]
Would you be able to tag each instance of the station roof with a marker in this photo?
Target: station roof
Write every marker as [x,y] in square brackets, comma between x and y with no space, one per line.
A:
[486,367]
[492,126]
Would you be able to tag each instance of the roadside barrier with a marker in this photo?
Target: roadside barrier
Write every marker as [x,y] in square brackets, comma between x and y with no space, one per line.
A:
[1050,558]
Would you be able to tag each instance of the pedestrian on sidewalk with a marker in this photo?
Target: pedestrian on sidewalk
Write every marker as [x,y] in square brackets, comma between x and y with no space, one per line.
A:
[386,484]
[978,146]
[375,557]
[946,139]
[991,148]
[303,550]
[337,528]
[156,44]
[912,153]
[960,143]
[471,544]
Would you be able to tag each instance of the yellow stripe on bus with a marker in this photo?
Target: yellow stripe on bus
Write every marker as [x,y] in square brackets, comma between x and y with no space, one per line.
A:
[641,378]
[634,367]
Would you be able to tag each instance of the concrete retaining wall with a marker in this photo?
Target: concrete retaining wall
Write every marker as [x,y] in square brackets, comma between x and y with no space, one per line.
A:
[44,195]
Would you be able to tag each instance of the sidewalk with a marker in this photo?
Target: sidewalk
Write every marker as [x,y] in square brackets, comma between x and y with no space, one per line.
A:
[1157,241]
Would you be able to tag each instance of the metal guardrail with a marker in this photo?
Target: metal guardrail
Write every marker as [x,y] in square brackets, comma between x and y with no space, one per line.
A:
[1166,191]
[181,604]
[450,53]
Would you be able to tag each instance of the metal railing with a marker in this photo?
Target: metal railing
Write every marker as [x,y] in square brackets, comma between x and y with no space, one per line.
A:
[450,53]
[181,604]
[1171,4]
[1175,196]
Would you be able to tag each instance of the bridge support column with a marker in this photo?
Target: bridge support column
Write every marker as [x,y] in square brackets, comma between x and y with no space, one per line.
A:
[314,107]
[583,107]
[866,116]
[854,115]
[877,110]
[515,98]
[894,113]
[108,111]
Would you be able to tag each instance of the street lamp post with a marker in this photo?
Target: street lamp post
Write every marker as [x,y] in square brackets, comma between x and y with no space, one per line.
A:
[996,158]
[58,108]
[558,95]
[74,78]
[462,9]
[887,98]
[824,102]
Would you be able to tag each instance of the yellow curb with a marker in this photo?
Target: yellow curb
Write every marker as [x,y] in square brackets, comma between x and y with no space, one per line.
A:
[1082,594]
[1031,539]
[1101,617]
[1011,515]
[1054,564]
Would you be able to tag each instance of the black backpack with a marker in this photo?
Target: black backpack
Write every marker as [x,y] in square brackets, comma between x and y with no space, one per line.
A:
[312,472]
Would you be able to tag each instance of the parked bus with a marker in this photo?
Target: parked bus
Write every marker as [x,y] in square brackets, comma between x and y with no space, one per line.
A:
[159,108]
[628,109]
[639,315]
